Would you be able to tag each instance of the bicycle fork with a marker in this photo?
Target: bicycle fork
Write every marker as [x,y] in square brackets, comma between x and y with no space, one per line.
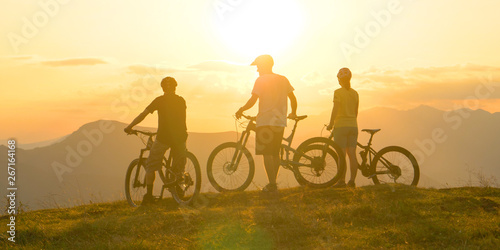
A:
[235,161]
[139,164]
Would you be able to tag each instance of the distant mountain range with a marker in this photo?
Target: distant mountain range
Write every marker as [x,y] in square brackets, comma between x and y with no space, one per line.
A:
[454,148]
[36,144]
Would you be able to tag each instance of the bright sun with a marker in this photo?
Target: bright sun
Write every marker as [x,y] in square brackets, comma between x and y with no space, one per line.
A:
[261,26]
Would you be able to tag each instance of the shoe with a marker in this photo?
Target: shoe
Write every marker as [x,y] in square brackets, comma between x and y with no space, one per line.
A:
[270,188]
[147,199]
[351,184]
[177,189]
[339,184]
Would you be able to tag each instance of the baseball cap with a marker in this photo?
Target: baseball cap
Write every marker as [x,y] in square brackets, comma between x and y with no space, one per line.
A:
[263,60]
[344,73]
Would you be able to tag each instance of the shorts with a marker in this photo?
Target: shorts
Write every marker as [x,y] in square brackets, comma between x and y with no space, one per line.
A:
[157,153]
[268,140]
[346,137]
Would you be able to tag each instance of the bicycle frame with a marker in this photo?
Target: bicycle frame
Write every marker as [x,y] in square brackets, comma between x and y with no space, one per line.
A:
[284,150]
[149,144]
[141,154]
[235,161]
[367,154]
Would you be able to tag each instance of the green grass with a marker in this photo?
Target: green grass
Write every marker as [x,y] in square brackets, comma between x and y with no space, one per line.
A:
[300,218]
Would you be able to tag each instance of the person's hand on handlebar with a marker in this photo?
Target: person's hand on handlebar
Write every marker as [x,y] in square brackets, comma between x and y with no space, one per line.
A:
[329,127]
[128,130]
[292,116]
[238,114]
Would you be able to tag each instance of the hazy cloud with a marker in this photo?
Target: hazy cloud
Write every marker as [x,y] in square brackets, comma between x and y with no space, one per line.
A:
[219,66]
[452,75]
[143,69]
[315,78]
[441,87]
[20,57]
[206,66]
[74,62]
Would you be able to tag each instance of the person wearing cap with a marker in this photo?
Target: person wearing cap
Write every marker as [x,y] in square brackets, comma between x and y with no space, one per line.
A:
[344,123]
[172,133]
[272,91]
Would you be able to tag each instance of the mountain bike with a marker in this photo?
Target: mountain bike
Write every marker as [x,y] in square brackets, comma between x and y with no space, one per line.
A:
[184,190]
[231,167]
[392,164]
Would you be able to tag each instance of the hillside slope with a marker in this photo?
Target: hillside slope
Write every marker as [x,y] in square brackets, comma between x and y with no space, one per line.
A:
[300,218]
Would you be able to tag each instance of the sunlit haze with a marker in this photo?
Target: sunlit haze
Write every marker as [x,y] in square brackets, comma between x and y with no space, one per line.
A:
[67,63]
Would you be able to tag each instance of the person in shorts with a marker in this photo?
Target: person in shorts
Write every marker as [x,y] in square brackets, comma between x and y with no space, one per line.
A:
[172,133]
[272,91]
[344,123]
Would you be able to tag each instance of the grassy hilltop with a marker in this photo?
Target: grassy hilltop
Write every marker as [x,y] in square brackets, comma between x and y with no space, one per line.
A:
[299,218]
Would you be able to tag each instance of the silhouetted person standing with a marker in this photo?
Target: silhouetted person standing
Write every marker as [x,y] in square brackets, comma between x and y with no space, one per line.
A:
[272,91]
[172,133]
[344,123]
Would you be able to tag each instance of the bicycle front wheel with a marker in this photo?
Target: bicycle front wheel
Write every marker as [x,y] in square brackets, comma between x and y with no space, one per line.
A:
[230,167]
[395,165]
[318,166]
[186,191]
[135,182]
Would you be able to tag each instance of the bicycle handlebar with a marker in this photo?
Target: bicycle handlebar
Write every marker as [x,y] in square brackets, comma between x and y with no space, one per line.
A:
[251,118]
[297,118]
[135,132]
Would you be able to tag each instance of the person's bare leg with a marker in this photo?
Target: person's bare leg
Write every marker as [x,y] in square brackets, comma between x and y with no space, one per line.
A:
[353,162]
[276,167]
[343,174]
[272,164]
[150,177]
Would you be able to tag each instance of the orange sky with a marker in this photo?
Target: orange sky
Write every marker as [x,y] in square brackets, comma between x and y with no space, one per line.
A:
[66,63]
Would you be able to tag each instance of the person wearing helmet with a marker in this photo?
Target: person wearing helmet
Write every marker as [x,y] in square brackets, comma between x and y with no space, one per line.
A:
[344,123]
[172,133]
[272,91]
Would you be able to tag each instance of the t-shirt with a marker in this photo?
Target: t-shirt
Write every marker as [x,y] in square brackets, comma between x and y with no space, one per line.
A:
[171,118]
[272,90]
[347,101]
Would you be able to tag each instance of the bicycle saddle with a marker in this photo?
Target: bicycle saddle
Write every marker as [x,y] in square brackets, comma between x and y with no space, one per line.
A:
[371,131]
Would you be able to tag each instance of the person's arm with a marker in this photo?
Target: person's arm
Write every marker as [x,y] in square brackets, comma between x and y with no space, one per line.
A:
[335,111]
[136,121]
[357,108]
[253,99]
[293,103]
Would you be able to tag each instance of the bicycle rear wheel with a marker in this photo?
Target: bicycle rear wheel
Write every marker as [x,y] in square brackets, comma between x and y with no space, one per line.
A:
[319,166]
[230,167]
[135,182]
[186,191]
[395,164]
